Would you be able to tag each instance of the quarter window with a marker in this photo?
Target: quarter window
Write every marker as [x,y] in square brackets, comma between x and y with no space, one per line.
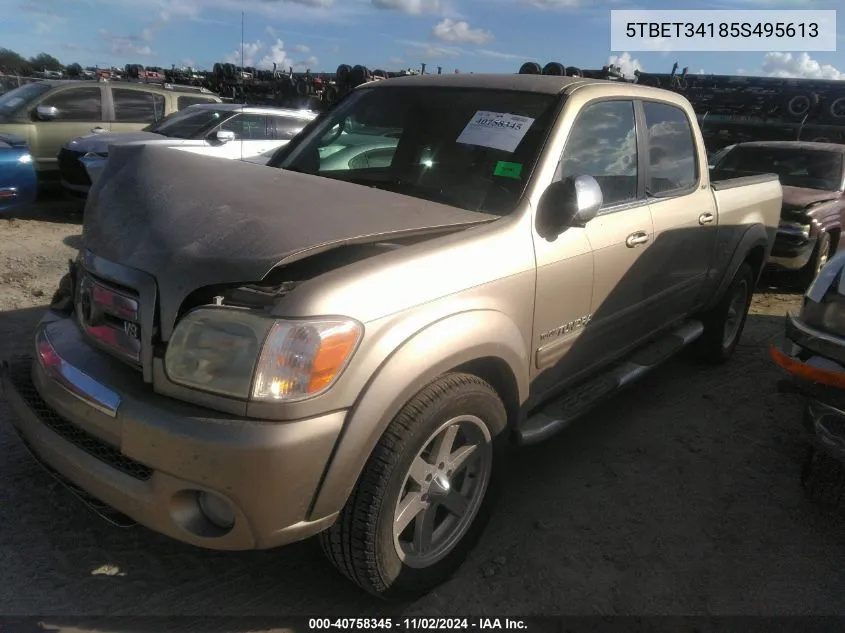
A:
[671,149]
[603,144]
[137,106]
[77,104]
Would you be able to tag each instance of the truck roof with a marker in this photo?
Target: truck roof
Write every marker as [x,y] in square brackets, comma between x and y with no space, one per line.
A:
[544,84]
[808,145]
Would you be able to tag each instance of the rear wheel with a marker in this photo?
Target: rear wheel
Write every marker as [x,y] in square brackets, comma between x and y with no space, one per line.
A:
[724,323]
[426,492]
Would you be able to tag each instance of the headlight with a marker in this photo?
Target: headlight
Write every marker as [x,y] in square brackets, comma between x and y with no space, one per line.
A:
[26,159]
[827,315]
[303,358]
[242,355]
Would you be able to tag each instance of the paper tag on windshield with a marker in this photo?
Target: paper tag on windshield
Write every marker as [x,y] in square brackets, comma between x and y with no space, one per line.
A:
[496,130]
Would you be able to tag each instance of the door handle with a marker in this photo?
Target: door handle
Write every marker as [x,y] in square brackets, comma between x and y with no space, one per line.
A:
[636,239]
[98,129]
[706,218]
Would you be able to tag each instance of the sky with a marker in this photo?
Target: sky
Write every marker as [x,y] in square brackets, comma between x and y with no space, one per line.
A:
[465,35]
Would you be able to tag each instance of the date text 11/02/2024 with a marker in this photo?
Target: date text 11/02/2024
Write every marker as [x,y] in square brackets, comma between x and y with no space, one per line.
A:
[416,624]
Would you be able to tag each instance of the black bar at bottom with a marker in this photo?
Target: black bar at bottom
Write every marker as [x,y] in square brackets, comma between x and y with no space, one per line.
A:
[413,624]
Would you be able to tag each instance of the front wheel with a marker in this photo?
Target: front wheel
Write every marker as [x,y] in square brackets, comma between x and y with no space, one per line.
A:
[426,492]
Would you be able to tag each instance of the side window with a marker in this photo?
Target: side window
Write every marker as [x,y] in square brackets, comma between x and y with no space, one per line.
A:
[376,158]
[671,148]
[137,106]
[184,102]
[284,128]
[77,104]
[603,144]
[247,127]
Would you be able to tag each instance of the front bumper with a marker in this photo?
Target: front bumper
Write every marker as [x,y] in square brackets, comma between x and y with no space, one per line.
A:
[812,359]
[792,249]
[94,422]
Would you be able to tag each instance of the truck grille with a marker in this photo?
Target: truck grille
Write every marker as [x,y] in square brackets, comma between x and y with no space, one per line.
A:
[72,170]
[110,316]
[21,377]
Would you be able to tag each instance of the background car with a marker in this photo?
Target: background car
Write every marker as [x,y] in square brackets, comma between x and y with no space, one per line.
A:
[17,173]
[47,114]
[215,129]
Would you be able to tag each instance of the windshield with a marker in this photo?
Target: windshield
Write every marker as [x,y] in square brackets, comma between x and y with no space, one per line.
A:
[17,99]
[472,149]
[797,167]
[188,123]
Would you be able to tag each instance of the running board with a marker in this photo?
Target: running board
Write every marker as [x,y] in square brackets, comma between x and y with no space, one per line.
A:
[577,401]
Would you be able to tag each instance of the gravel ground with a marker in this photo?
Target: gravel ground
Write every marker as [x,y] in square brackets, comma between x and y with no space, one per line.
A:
[679,497]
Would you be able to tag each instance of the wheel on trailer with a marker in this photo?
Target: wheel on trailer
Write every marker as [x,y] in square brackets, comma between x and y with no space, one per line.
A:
[530,68]
[834,109]
[426,492]
[359,75]
[799,105]
[723,324]
[554,68]
[821,253]
[342,73]
[573,71]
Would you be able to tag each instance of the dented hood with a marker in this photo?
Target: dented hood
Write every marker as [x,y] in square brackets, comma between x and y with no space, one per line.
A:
[193,221]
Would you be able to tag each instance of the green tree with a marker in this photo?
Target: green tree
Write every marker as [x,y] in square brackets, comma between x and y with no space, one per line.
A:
[12,63]
[45,61]
[74,70]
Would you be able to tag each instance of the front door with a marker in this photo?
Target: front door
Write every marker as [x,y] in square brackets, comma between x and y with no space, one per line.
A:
[251,138]
[682,210]
[589,291]
[79,110]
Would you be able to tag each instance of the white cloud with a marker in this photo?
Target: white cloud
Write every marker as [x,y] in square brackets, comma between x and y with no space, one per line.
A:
[414,7]
[435,52]
[301,48]
[801,65]
[451,31]
[626,63]
[257,55]
[128,45]
[271,31]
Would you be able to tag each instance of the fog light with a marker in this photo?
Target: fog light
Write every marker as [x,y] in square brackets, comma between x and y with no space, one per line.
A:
[216,510]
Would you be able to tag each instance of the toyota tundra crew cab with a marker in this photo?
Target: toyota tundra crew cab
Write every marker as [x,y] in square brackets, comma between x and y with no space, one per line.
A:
[348,348]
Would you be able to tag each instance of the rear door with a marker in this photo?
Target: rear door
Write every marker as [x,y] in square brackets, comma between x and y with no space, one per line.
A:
[135,109]
[683,212]
[80,110]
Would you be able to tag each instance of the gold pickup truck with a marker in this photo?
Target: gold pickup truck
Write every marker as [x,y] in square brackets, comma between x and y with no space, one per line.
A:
[349,348]
[47,114]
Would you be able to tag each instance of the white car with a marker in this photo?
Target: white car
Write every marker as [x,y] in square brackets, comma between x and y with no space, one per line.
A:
[226,130]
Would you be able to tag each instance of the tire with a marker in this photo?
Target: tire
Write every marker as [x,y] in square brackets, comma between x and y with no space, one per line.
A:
[554,68]
[723,324]
[362,545]
[530,68]
[821,253]
[573,71]
[342,73]
[800,105]
[834,109]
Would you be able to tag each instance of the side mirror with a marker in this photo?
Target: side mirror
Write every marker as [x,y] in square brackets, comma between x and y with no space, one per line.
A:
[225,136]
[46,113]
[573,201]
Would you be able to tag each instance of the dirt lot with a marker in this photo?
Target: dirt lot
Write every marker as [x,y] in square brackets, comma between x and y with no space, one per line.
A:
[680,497]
